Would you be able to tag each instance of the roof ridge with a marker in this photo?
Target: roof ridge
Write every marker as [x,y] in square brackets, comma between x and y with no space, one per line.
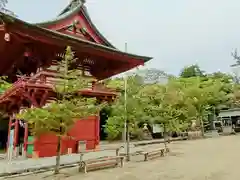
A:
[64,14]
[72,5]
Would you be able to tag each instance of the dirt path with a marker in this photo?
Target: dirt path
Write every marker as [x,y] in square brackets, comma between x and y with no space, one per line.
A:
[211,159]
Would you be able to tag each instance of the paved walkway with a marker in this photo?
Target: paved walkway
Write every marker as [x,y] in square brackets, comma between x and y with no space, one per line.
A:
[209,159]
[20,165]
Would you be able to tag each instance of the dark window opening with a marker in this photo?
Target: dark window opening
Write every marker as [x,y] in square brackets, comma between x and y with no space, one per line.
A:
[104,114]
[3,134]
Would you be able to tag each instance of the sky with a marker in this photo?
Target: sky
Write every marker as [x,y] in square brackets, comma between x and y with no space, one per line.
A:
[176,33]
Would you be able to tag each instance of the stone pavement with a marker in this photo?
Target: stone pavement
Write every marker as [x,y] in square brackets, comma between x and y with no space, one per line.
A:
[19,165]
[106,150]
[208,159]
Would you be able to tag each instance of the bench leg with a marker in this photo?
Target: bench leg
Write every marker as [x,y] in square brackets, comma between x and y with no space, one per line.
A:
[167,150]
[146,157]
[121,165]
[85,168]
[117,162]
[81,162]
[162,152]
[81,166]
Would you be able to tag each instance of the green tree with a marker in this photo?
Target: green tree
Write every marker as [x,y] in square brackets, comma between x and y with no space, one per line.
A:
[235,98]
[132,113]
[58,116]
[164,104]
[191,71]
[4,85]
[197,97]
[182,99]
[223,77]
[116,83]
[205,96]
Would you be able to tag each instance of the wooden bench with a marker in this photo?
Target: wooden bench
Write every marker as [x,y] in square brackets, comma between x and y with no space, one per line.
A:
[101,163]
[153,154]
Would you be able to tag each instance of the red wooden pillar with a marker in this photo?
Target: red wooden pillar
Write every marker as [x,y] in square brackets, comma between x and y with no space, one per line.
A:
[16,129]
[25,138]
[9,129]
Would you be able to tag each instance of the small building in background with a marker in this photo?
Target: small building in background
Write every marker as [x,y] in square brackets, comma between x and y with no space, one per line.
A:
[230,118]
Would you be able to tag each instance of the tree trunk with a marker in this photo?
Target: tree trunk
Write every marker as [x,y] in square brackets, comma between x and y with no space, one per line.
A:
[59,142]
[165,136]
[202,126]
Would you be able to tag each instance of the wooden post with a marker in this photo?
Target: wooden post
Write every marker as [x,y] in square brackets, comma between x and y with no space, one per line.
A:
[16,134]
[10,139]
[25,137]
[9,129]
[16,127]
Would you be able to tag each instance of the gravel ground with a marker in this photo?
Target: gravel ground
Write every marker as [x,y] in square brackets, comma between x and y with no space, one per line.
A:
[209,159]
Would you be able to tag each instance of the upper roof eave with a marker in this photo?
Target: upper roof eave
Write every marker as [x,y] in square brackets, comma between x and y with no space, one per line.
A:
[57,35]
[65,13]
